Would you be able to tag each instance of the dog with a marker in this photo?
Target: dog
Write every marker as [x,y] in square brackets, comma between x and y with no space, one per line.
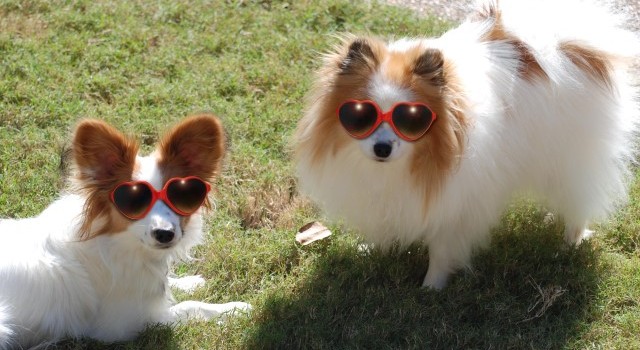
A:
[426,140]
[95,262]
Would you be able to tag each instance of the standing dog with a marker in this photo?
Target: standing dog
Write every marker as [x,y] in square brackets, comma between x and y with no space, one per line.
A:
[426,140]
[94,263]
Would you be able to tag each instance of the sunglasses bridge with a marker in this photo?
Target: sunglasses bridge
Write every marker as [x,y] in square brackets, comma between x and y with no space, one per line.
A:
[409,120]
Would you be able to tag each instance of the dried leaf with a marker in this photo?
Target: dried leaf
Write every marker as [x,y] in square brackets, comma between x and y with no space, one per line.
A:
[312,232]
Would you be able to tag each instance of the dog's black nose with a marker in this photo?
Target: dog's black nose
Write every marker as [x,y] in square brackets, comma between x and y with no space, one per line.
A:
[382,150]
[163,236]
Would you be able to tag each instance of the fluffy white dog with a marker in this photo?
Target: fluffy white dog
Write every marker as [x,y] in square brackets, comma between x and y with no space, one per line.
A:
[427,139]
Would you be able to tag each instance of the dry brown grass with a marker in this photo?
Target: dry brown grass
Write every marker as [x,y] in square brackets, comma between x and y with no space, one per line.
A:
[23,26]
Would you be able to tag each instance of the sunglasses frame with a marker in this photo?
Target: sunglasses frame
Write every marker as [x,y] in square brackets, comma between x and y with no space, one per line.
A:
[159,195]
[387,117]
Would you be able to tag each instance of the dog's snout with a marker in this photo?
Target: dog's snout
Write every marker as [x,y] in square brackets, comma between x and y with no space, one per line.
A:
[163,236]
[382,150]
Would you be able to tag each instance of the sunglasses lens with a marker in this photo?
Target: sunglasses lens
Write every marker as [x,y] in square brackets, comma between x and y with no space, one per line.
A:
[412,121]
[187,195]
[132,200]
[358,118]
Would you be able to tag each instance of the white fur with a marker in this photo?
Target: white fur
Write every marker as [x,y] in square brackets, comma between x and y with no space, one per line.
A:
[570,140]
[109,287]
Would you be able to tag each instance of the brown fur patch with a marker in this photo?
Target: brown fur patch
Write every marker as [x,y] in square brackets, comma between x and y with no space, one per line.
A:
[103,158]
[530,69]
[437,153]
[596,64]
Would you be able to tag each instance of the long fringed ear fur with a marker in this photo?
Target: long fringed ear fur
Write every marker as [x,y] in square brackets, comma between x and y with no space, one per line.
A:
[103,157]
[196,146]
[102,153]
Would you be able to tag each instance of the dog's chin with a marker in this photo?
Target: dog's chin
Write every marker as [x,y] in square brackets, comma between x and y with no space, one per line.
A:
[155,247]
[393,158]
[164,246]
[381,160]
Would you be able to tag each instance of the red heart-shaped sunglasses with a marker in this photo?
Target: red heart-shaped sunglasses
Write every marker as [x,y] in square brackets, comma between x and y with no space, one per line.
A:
[408,120]
[184,195]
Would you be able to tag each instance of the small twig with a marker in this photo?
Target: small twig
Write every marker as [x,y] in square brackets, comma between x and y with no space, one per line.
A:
[546,297]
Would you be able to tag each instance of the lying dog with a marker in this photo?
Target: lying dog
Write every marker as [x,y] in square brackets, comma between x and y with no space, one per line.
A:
[95,262]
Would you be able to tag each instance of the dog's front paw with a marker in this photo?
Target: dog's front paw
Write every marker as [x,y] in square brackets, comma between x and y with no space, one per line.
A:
[204,311]
[187,284]
[234,308]
[435,279]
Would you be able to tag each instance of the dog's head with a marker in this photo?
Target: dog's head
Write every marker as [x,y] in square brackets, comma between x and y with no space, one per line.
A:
[124,191]
[405,71]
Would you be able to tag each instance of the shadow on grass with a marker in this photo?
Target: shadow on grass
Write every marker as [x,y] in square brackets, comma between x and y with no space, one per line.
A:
[155,337]
[527,291]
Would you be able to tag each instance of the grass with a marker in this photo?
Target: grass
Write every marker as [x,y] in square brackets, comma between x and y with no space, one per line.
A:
[143,65]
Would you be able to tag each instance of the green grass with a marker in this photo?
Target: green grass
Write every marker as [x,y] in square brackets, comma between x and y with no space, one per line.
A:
[143,65]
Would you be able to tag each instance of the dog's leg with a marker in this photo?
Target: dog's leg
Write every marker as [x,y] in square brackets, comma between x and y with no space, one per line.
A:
[446,254]
[187,283]
[576,210]
[203,311]
[588,188]
[451,250]
[575,234]
[436,278]
[440,267]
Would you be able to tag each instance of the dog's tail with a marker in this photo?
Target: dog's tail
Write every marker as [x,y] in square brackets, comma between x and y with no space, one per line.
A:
[551,38]
[583,29]
[5,328]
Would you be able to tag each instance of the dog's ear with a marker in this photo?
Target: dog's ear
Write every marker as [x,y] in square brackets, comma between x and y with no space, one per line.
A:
[359,54]
[195,147]
[102,154]
[430,66]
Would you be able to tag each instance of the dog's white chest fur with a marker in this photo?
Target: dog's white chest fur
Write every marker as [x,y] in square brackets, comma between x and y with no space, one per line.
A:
[373,196]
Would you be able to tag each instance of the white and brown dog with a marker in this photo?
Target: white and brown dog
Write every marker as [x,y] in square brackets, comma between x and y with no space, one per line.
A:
[427,139]
[95,262]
